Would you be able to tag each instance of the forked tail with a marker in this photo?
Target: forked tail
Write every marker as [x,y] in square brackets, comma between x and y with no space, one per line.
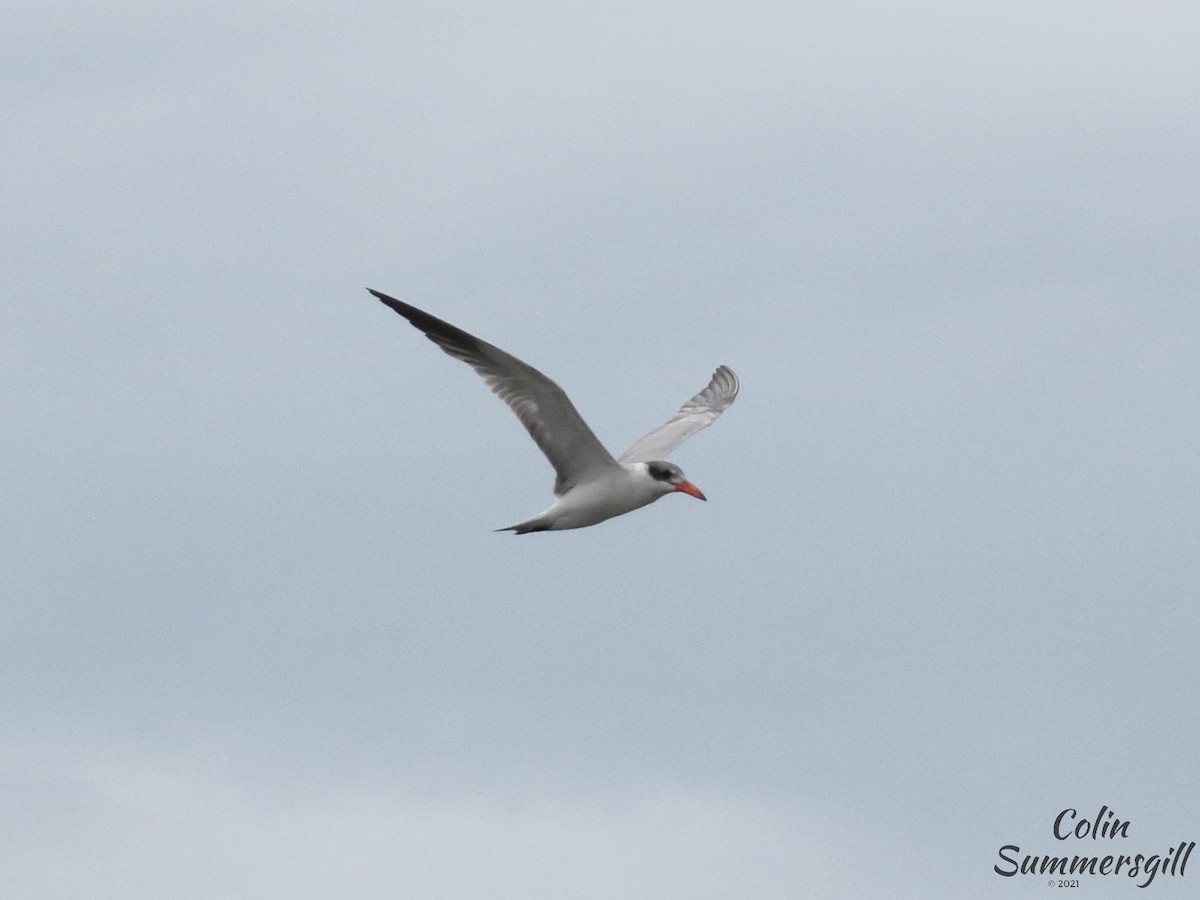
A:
[526,527]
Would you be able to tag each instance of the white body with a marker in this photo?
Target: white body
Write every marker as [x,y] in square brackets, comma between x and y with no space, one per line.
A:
[614,493]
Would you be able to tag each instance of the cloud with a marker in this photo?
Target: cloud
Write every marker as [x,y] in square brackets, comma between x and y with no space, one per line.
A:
[104,824]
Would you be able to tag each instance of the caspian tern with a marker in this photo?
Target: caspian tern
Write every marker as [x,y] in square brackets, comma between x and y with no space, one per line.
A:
[591,485]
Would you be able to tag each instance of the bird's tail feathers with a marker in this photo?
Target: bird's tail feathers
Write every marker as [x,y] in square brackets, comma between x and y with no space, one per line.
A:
[526,527]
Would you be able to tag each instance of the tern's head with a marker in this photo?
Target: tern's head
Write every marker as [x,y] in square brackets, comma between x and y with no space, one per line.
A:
[672,478]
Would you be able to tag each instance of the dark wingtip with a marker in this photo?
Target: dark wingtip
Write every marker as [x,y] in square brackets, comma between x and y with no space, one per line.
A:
[382,297]
[437,330]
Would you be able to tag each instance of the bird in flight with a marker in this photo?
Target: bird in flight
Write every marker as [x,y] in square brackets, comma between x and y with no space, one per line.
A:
[591,485]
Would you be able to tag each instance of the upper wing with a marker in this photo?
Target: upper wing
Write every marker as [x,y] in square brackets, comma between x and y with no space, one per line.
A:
[699,412]
[541,405]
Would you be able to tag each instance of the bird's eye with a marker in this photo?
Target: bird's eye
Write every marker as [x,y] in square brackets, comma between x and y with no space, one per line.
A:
[666,472]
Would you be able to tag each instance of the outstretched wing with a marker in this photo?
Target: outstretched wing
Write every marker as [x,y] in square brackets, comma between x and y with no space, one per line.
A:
[698,413]
[541,405]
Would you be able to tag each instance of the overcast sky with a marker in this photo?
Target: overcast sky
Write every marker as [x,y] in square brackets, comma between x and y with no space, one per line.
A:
[259,639]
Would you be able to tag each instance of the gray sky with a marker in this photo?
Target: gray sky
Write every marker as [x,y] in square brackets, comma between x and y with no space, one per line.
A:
[260,640]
